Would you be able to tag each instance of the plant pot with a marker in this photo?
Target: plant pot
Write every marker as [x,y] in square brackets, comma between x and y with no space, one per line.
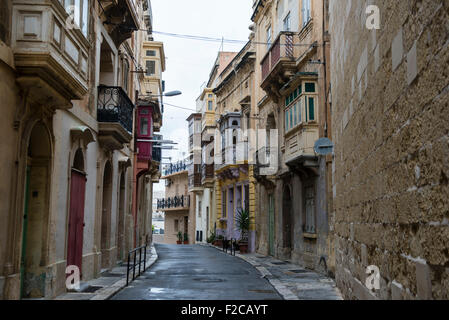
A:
[186,242]
[178,242]
[243,247]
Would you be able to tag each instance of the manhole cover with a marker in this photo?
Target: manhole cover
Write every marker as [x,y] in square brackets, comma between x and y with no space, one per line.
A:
[262,291]
[298,271]
[91,289]
[278,263]
[208,280]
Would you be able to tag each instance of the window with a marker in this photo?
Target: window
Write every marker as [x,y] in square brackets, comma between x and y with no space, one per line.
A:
[199,209]
[78,10]
[269,35]
[176,225]
[151,68]
[287,23]
[306,12]
[209,105]
[210,96]
[310,87]
[298,103]
[144,126]
[151,53]
[310,209]
[223,203]
[125,75]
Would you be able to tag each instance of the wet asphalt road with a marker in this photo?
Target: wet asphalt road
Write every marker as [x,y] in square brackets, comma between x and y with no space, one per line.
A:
[194,272]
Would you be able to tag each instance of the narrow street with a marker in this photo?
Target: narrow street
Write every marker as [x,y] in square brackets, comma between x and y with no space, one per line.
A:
[189,272]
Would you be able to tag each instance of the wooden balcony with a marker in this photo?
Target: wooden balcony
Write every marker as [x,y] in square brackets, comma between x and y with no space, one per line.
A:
[51,60]
[207,175]
[195,179]
[115,117]
[279,65]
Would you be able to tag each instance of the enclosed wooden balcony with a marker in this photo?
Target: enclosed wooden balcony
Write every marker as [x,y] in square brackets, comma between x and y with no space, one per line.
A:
[115,117]
[51,59]
[279,65]
[195,177]
[207,175]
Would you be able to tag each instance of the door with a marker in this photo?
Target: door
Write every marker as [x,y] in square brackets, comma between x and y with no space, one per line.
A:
[271,225]
[24,232]
[76,219]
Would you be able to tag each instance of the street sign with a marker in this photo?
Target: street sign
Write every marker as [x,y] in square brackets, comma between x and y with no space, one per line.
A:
[324,146]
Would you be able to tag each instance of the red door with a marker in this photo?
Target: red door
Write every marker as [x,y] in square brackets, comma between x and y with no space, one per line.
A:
[76,219]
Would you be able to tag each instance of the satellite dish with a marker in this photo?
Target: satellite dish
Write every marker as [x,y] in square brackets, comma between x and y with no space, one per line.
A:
[323,146]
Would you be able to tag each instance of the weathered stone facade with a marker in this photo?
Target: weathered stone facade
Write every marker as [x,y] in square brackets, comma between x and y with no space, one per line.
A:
[390,107]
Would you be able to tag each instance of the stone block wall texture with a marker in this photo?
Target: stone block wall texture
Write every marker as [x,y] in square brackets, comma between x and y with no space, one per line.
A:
[390,113]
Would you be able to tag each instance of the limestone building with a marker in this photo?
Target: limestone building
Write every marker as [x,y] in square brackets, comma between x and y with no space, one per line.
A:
[177,205]
[390,180]
[292,85]
[68,87]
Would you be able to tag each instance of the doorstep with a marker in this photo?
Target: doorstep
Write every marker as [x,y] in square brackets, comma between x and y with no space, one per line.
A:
[107,285]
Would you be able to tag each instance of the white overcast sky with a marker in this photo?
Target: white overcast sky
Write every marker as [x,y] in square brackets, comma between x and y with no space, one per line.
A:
[189,62]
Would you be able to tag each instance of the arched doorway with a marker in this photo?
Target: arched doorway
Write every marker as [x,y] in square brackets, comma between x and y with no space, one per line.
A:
[106,216]
[287,217]
[121,218]
[36,213]
[76,213]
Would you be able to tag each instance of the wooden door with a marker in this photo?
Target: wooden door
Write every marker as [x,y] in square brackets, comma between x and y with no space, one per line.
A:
[76,219]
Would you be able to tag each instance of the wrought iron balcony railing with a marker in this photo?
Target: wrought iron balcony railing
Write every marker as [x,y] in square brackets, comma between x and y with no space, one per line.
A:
[114,105]
[282,48]
[175,202]
[175,168]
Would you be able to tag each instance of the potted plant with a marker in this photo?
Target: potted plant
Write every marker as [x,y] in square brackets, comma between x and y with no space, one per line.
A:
[219,241]
[186,238]
[242,225]
[179,238]
[212,237]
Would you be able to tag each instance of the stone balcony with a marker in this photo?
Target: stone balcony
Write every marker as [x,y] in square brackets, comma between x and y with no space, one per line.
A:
[115,117]
[51,59]
[120,18]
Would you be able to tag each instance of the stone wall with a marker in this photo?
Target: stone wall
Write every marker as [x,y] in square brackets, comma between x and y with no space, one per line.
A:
[390,98]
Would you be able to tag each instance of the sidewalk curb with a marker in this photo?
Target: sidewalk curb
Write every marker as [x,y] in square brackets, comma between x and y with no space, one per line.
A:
[283,291]
[108,292]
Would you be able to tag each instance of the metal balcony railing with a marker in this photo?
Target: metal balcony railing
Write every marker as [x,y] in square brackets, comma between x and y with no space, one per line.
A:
[114,105]
[283,47]
[181,202]
[175,168]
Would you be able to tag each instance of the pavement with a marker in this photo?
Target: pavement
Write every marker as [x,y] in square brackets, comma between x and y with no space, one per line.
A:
[292,281]
[108,284]
[195,272]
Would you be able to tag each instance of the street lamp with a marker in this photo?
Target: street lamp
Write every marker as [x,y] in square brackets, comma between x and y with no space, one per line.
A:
[167,94]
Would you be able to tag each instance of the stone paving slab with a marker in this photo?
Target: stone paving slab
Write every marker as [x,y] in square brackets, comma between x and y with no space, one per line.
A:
[110,285]
[292,281]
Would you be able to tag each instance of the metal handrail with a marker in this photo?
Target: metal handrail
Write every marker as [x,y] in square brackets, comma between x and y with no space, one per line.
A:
[133,267]
[226,245]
